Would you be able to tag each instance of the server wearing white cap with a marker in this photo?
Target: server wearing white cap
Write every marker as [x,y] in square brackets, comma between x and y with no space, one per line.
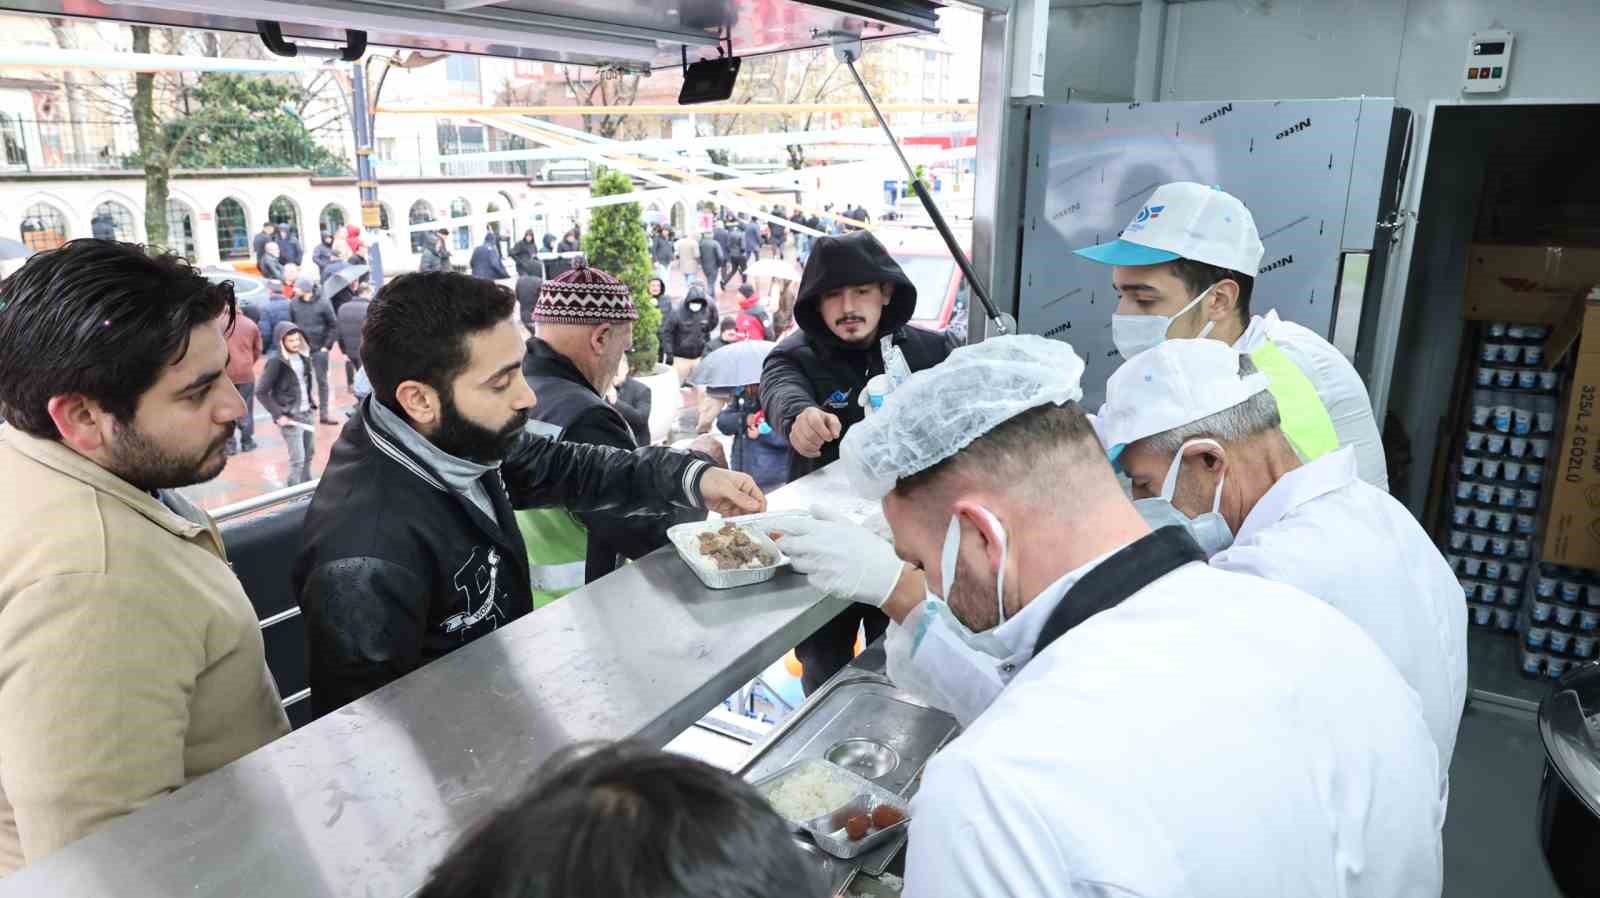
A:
[1186,267]
[1166,728]
[1196,428]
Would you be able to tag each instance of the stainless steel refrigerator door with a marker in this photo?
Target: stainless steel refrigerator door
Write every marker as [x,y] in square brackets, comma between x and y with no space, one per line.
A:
[1311,172]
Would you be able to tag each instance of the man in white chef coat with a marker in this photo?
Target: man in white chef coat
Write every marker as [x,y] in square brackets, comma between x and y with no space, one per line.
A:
[1194,425]
[1186,266]
[1170,729]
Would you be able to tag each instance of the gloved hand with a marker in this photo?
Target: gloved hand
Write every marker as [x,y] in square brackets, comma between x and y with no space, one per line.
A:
[840,559]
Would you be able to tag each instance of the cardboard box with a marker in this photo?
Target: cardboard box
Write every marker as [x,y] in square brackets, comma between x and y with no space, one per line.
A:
[1528,284]
[1572,529]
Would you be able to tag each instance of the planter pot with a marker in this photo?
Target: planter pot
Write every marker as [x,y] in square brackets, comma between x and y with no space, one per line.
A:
[665,400]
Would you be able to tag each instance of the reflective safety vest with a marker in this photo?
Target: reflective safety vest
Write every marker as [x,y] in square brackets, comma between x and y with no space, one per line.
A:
[558,546]
[1305,420]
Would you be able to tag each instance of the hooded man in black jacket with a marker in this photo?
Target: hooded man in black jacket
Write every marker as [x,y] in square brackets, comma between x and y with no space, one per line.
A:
[411,547]
[690,329]
[526,254]
[852,296]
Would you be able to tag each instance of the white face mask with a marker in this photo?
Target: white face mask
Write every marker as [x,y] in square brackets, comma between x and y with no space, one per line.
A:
[1209,529]
[1133,334]
[952,544]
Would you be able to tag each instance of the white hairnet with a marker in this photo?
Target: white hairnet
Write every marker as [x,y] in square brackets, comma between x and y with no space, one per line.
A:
[938,412]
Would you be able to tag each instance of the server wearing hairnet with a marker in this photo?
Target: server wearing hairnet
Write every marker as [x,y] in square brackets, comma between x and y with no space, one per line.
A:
[1186,266]
[1166,728]
[1196,428]
[853,307]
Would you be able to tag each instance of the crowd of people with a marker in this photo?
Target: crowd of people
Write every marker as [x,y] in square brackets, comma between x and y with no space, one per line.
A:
[310,308]
[1210,561]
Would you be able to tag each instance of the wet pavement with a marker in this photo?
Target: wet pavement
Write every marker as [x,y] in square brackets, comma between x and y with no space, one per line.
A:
[250,474]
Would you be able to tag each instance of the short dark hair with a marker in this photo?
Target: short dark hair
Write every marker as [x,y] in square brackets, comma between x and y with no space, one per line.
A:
[98,318]
[628,820]
[1197,276]
[418,324]
[1015,449]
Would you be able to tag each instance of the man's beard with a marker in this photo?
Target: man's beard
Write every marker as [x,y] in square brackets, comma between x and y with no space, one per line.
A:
[858,342]
[972,598]
[470,440]
[142,462]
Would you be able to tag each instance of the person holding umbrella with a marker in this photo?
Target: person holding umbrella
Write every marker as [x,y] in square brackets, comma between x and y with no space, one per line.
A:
[759,450]
[341,286]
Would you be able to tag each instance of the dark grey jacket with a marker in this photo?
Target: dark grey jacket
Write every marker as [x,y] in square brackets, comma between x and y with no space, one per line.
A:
[352,317]
[317,319]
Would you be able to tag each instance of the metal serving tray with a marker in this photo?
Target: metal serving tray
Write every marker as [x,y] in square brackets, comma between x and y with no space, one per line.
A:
[873,715]
[685,538]
[827,828]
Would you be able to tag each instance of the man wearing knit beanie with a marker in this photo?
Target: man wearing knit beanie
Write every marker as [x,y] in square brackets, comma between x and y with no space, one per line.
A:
[583,326]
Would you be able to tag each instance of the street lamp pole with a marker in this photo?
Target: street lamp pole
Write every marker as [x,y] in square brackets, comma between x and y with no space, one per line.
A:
[366,181]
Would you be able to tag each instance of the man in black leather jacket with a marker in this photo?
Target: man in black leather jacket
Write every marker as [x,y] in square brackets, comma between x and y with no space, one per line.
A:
[410,548]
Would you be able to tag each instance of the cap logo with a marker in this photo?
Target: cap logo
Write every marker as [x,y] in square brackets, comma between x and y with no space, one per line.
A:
[1148,213]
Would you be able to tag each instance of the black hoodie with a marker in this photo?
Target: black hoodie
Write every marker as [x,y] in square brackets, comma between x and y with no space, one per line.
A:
[813,367]
[689,330]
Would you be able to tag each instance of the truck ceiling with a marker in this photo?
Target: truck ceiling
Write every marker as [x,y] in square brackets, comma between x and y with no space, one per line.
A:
[636,34]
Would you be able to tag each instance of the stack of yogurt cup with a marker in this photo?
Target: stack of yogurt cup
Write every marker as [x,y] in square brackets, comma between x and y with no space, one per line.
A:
[1563,621]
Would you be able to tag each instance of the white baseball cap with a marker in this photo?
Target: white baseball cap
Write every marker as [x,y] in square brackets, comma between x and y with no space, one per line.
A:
[1178,382]
[1185,220]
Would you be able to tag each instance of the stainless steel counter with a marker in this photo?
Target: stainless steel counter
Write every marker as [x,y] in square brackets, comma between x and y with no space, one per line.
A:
[365,801]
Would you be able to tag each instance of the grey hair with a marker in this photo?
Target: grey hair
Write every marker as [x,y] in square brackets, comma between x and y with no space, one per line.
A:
[1255,415]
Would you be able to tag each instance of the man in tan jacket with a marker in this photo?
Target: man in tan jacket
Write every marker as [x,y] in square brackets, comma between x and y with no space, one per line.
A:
[131,661]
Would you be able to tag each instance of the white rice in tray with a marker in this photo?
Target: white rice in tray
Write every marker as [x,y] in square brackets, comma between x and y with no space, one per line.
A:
[809,793]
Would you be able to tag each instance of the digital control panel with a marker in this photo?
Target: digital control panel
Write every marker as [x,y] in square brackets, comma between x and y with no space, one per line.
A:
[1488,62]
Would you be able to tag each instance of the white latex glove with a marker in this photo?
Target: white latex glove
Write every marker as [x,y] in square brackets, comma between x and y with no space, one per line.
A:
[840,559]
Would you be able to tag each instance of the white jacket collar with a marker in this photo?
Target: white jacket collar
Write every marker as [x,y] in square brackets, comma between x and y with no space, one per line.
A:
[1021,633]
[1259,331]
[1333,471]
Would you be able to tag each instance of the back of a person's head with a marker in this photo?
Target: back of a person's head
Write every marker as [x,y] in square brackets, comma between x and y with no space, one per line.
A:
[97,318]
[629,822]
[418,324]
[1043,454]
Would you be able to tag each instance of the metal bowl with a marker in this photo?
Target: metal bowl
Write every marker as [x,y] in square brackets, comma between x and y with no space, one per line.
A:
[864,757]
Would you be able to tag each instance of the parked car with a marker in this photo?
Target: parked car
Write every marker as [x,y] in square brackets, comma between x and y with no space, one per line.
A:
[942,292]
[250,290]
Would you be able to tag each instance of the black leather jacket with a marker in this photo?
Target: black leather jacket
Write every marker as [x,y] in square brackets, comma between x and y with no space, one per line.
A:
[395,569]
